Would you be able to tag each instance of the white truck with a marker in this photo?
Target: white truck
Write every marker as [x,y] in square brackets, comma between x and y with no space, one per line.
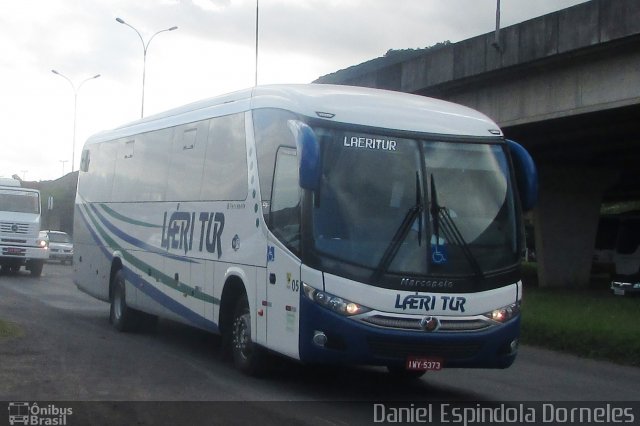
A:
[20,242]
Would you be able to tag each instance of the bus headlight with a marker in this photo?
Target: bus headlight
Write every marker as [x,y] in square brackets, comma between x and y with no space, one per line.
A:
[504,314]
[334,303]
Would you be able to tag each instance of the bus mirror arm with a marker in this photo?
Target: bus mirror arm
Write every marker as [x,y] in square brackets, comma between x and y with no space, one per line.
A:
[526,175]
[309,154]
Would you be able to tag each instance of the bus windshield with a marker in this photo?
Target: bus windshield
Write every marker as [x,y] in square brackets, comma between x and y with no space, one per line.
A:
[414,206]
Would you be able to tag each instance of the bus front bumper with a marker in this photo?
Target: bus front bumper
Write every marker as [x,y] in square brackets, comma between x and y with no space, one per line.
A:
[348,341]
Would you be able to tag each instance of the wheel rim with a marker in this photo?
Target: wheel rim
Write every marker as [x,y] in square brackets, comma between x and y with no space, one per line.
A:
[242,336]
[117,304]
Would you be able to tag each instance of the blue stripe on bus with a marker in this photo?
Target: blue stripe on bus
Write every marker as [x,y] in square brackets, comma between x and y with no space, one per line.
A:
[95,236]
[147,288]
[135,242]
[166,301]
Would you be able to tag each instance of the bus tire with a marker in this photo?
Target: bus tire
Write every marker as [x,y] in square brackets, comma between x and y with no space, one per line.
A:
[247,356]
[121,316]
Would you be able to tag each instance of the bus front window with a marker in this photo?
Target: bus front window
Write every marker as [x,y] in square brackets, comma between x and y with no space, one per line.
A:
[413,207]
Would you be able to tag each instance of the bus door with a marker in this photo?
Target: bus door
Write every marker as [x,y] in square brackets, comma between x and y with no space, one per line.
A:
[283,264]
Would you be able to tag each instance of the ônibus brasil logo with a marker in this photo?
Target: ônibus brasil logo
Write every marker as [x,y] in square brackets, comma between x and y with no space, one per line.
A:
[26,413]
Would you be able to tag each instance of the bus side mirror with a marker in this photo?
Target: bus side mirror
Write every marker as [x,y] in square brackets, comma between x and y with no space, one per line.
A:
[526,175]
[309,154]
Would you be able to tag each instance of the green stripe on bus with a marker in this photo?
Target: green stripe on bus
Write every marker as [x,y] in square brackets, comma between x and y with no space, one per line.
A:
[123,218]
[142,266]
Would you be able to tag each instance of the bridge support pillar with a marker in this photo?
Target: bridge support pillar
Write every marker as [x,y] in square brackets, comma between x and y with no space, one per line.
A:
[566,221]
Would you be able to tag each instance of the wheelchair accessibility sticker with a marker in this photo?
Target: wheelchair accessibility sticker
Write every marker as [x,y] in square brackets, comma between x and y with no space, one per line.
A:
[438,251]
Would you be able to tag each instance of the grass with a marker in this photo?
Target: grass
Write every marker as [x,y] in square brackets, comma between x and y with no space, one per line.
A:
[8,329]
[589,323]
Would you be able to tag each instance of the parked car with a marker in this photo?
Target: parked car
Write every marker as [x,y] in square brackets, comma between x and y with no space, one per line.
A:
[60,246]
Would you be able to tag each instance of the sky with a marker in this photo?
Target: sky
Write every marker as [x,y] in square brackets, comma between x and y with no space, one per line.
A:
[211,53]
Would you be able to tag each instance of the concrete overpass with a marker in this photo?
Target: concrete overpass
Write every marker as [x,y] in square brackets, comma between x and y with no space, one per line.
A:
[567,86]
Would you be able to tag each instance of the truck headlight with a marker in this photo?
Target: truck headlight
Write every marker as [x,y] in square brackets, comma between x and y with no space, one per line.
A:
[42,243]
[334,303]
[505,313]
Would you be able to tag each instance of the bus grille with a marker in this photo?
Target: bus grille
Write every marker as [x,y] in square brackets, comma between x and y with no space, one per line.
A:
[401,350]
[413,323]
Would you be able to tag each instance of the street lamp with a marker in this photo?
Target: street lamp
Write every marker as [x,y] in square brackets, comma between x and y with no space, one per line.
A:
[63,161]
[145,46]
[75,110]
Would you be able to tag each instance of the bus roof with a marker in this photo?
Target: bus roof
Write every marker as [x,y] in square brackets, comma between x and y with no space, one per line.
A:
[336,103]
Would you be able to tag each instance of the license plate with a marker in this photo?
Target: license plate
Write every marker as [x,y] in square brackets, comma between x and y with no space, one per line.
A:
[417,363]
[13,250]
[618,292]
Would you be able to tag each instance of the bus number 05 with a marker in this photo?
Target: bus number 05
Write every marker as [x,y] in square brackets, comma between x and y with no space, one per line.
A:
[295,286]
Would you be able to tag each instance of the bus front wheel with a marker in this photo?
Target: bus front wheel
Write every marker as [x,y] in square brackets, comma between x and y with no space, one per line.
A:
[247,356]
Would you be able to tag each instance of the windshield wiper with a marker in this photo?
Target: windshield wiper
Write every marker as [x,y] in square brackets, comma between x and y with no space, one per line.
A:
[450,230]
[401,233]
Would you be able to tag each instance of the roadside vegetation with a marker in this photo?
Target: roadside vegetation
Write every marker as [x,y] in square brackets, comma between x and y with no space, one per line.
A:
[9,329]
[589,322]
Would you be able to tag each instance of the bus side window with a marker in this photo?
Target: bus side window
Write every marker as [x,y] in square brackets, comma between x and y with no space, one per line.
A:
[284,218]
[84,161]
[188,145]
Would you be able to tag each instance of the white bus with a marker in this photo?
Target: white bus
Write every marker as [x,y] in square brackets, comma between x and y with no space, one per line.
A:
[327,224]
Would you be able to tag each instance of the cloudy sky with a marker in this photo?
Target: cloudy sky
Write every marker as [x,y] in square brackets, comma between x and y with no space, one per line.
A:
[211,52]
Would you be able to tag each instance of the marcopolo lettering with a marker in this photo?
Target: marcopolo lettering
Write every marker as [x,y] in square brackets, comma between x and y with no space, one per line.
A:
[370,143]
[179,232]
[431,302]
[411,283]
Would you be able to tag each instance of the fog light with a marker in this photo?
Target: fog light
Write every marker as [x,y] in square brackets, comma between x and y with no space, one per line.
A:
[319,338]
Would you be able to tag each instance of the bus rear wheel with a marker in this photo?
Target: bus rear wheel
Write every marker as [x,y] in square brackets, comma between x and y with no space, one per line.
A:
[123,317]
[120,315]
[247,356]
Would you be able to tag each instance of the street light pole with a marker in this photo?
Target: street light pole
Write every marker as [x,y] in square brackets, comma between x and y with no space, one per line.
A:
[63,161]
[75,110]
[496,39]
[145,46]
[257,26]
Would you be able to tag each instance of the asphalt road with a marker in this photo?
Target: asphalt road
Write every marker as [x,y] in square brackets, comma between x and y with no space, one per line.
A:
[69,352]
